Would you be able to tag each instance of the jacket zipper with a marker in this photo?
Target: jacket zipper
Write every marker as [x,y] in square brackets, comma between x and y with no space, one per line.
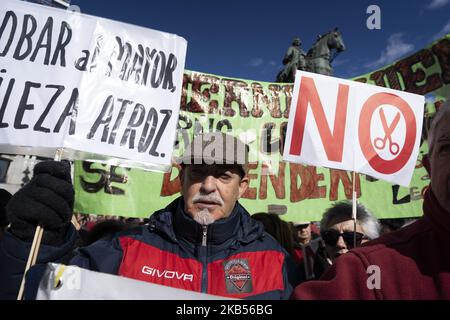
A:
[205,235]
[204,258]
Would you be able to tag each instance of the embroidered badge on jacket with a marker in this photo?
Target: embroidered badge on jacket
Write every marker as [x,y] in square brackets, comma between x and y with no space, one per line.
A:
[238,276]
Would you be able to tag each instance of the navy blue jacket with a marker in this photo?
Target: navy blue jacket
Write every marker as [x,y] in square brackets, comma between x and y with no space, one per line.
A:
[232,257]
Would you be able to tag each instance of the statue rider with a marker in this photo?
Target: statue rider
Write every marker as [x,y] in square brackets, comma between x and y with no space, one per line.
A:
[293,60]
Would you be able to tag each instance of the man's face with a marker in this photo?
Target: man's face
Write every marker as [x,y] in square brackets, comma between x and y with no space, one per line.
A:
[304,232]
[210,191]
[341,247]
[440,163]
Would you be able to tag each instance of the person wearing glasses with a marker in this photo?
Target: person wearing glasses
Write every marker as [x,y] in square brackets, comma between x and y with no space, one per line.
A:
[337,228]
[337,232]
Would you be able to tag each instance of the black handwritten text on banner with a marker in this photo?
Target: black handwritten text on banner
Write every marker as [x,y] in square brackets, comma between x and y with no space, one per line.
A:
[88,84]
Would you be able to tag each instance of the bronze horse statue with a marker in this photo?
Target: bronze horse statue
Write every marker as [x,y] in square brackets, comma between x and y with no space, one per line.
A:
[319,57]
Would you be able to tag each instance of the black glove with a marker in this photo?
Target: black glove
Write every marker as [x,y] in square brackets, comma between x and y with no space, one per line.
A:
[47,200]
[4,198]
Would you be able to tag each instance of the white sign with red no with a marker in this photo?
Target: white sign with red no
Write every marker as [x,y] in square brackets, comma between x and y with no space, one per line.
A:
[353,126]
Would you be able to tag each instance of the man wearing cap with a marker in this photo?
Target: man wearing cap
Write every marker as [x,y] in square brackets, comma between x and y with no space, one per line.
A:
[303,229]
[203,241]
[305,248]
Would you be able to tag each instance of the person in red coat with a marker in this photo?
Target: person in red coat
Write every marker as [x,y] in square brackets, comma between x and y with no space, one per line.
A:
[411,263]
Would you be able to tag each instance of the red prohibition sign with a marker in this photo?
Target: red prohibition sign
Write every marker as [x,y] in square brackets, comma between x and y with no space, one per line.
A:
[365,118]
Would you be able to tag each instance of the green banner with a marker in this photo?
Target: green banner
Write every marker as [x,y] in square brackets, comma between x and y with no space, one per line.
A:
[257,112]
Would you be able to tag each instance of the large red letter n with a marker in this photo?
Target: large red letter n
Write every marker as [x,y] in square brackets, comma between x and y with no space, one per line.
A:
[333,143]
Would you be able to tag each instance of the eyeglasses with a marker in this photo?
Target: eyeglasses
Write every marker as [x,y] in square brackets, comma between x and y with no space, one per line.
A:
[302,226]
[331,237]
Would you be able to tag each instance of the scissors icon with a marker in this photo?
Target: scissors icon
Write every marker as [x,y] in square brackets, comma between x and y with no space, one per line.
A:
[380,143]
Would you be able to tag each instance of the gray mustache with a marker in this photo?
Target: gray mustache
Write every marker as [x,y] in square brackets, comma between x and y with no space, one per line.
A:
[207,198]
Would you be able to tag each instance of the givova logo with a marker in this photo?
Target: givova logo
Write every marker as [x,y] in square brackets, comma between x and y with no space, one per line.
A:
[167,274]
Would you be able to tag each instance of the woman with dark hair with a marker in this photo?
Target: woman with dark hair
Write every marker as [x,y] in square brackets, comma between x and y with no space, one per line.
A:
[278,229]
[282,232]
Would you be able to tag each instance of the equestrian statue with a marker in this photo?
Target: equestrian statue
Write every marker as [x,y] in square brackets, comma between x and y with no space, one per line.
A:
[317,60]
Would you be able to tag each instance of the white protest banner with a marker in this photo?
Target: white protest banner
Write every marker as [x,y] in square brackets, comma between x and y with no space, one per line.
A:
[105,88]
[61,282]
[38,81]
[353,126]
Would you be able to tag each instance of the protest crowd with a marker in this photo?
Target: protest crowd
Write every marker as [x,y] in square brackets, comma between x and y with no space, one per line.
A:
[207,241]
[207,222]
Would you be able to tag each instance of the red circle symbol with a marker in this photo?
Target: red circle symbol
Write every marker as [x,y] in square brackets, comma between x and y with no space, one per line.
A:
[365,119]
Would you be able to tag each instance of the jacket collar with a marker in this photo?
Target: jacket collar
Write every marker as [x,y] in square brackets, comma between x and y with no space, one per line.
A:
[217,233]
[173,223]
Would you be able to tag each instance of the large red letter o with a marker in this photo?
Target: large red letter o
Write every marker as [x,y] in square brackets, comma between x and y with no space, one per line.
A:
[376,162]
